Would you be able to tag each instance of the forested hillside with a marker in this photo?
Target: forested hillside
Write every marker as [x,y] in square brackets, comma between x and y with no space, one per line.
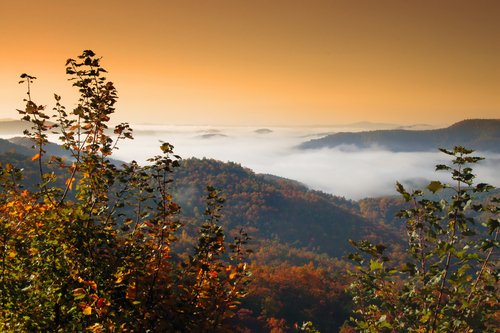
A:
[267,207]
[274,208]
[296,234]
[299,237]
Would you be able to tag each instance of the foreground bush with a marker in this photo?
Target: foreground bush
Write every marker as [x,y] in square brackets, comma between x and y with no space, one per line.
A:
[450,280]
[90,248]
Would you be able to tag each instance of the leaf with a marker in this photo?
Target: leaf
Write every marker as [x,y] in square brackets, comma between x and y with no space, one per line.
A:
[11,254]
[442,167]
[119,277]
[403,192]
[355,257]
[375,265]
[69,182]
[447,152]
[101,302]
[130,292]
[92,284]
[435,186]
[483,187]
[87,310]
[79,292]
[492,224]
[35,157]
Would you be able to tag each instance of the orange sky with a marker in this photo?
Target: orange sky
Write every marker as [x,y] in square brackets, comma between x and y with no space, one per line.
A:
[264,62]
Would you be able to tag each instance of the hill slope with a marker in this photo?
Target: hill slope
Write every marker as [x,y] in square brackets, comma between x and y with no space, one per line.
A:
[266,206]
[7,146]
[275,208]
[477,134]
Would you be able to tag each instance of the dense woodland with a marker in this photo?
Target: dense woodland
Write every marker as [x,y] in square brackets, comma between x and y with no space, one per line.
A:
[91,244]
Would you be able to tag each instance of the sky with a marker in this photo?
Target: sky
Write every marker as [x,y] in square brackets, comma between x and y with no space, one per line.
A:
[263,62]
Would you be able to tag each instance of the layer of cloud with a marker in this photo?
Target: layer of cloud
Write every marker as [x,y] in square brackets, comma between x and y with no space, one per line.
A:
[345,171]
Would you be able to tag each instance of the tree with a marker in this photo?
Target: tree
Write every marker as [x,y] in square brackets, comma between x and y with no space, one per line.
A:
[90,247]
[449,282]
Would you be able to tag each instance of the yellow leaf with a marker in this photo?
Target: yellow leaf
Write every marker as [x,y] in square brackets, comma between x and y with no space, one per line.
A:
[119,277]
[12,254]
[69,182]
[96,328]
[35,157]
[87,310]
[232,275]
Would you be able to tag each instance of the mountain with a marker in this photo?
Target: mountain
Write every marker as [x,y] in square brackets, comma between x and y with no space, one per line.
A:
[212,136]
[477,134]
[50,148]
[13,127]
[275,208]
[263,131]
[8,147]
[266,206]
[23,146]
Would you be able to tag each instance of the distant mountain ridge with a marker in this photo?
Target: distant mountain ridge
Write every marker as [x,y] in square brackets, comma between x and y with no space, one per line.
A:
[9,147]
[24,146]
[478,134]
[50,148]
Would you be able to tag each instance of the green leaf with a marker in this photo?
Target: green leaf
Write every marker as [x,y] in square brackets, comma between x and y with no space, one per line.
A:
[403,192]
[355,257]
[376,265]
[442,167]
[483,187]
[435,186]
[492,225]
[447,152]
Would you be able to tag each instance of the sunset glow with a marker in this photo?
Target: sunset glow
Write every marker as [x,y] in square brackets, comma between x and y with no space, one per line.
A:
[227,62]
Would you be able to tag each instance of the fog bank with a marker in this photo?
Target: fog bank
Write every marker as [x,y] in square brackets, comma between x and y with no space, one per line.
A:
[344,171]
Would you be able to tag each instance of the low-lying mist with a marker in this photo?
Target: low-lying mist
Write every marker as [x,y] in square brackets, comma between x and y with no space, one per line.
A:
[344,171]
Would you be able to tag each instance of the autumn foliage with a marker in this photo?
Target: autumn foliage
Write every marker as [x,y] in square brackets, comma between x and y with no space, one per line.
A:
[87,245]
[91,247]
